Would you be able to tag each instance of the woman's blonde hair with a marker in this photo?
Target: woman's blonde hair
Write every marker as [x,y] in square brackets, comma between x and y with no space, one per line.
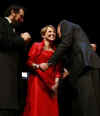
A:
[44,29]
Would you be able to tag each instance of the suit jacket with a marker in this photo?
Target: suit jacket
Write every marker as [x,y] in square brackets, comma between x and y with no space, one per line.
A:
[76,47]
[10,46]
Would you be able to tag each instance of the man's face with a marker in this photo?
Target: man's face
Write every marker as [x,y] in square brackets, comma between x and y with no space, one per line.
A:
[19,17]
[58,31]
[50,34]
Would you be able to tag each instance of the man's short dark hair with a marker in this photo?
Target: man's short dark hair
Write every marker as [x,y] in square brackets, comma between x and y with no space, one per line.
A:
[13,7]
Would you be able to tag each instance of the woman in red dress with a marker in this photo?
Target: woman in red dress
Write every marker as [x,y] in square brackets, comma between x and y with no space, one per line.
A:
[41,97]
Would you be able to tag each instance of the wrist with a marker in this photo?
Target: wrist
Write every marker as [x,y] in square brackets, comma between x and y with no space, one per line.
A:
[35,66]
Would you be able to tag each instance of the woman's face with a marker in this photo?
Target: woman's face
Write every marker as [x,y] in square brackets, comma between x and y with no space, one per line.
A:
[58,31]
[50,34]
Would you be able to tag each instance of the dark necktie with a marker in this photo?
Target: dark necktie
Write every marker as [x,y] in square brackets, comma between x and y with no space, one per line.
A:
[12,27]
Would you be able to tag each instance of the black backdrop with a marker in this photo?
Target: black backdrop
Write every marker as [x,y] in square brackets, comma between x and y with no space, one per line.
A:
[41,13]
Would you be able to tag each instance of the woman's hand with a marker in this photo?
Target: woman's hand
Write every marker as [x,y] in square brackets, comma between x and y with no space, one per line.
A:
[35,66]
[55,86]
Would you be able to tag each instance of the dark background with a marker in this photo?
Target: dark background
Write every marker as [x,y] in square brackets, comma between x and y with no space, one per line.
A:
[41,13]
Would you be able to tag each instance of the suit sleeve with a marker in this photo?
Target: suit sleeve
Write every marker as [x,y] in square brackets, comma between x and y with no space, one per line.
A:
[80,35]
[8,39]
[62,47]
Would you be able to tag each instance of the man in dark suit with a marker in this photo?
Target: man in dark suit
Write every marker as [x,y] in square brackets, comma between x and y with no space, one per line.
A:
[83,65]
[11,46]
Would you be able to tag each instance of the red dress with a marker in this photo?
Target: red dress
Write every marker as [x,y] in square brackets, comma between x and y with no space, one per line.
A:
[39,100]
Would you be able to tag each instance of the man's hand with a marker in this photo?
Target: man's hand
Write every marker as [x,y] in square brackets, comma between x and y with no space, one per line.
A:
[26,36]
[43,66]
[65,73]
[93,46]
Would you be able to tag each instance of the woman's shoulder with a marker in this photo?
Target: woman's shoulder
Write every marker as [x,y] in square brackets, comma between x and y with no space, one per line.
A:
[37,44]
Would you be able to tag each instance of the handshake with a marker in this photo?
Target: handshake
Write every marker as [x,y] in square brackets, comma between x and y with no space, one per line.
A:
[42,66]
[26,36]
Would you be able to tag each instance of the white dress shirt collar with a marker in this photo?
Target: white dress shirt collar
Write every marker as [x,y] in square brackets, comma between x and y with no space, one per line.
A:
[10,23]
[8,20]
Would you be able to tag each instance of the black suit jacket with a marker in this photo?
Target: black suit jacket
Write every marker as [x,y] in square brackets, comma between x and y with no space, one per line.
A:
[10,46]
[76,47]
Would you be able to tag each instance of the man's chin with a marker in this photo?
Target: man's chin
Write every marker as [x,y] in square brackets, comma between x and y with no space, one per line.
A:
[17,24]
